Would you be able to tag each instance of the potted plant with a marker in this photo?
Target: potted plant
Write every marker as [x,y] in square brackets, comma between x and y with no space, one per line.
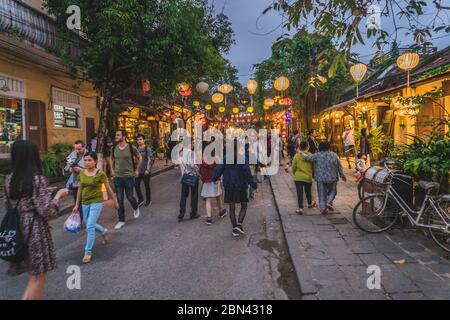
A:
[428,159]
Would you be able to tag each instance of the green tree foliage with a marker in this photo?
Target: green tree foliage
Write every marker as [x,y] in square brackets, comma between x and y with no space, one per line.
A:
[165,42]
[301,58]
[344,21]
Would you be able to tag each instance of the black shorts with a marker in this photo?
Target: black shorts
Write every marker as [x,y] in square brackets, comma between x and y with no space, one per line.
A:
[235,196]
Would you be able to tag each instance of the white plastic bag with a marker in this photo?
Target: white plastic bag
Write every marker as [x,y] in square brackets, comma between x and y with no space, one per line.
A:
[73,223]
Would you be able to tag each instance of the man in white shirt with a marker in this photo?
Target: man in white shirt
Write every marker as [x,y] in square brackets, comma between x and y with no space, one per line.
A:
[349,144]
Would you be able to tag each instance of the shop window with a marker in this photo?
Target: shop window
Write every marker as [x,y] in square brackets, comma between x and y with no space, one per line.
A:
[66,117]
[66,109]
[10,122]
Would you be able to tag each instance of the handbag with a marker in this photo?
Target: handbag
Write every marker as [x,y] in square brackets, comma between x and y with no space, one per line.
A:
[189,179]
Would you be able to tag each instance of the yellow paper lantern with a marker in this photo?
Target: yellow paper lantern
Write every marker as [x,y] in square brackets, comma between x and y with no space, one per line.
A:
[407,62]
[226,88]
[269,102]
[222,109]
[202,87]
[208,107]
[266,107]
[358,71]
[250,109]
[252,85]
[281,84]
[236,110]
[196,103]
[217,98]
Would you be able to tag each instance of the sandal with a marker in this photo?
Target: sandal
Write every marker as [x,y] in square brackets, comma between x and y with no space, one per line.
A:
[105,237]
[299,211]
[87,258]
[312,205]
[330,207]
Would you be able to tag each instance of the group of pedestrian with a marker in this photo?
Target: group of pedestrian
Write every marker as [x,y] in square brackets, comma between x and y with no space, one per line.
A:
[312,160]
[230,178]
[27,193]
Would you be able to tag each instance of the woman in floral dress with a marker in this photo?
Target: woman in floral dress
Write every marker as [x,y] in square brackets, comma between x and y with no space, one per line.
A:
[27,189]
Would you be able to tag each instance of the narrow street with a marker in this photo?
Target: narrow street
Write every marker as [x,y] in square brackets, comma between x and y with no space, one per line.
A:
[155,257]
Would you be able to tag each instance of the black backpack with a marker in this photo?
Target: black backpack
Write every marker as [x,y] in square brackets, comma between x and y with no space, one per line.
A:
[13,244]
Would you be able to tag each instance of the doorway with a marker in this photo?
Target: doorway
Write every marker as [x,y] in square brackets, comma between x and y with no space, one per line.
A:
[90,129]
[36,125]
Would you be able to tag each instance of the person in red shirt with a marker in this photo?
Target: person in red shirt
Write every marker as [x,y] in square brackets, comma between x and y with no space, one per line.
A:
[210,189]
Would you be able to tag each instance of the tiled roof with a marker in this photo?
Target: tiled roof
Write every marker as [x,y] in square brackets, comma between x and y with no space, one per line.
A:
[395,77]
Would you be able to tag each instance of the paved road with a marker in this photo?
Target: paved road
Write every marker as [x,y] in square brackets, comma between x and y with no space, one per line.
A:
[155,257]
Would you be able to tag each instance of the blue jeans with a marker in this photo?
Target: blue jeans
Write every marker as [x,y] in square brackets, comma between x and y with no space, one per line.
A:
[91,212]
[127,185]
[327,192]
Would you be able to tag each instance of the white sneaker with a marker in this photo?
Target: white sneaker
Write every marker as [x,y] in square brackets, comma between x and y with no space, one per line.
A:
[119,225]
[136,213]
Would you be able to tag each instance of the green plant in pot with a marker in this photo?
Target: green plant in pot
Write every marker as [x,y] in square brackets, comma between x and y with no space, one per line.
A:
[428,158]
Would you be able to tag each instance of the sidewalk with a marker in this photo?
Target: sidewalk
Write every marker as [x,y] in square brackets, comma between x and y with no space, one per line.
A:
[331,255]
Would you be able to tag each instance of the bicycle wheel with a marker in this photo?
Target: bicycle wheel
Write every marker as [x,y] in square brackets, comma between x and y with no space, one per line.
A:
[442,220]
[361,189]
[376,213]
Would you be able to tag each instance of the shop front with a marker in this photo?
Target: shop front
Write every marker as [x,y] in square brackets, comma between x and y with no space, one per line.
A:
[136,120]
[11,123]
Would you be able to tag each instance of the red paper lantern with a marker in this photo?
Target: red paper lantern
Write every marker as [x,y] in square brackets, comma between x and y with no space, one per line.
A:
[186,93]
[145,86]
[288,102]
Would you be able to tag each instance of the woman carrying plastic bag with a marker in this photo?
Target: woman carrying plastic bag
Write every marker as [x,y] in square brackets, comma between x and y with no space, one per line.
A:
[90,195]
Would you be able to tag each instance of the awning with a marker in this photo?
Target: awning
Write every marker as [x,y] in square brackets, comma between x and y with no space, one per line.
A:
[340,105]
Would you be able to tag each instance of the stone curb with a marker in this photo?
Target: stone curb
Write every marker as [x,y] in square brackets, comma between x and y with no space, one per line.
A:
[304,279]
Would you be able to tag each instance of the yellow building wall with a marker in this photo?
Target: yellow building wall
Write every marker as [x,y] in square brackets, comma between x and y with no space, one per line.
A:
[39,87]
[407,125]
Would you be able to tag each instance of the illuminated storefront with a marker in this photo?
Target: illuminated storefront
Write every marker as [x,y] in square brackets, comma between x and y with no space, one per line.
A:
[135,121]
[11,123]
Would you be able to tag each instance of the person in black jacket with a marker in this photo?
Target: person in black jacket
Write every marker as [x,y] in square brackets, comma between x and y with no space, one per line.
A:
[236,178]
[313,145]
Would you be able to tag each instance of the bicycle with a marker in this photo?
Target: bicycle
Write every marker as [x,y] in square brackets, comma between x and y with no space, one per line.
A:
[379,212]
